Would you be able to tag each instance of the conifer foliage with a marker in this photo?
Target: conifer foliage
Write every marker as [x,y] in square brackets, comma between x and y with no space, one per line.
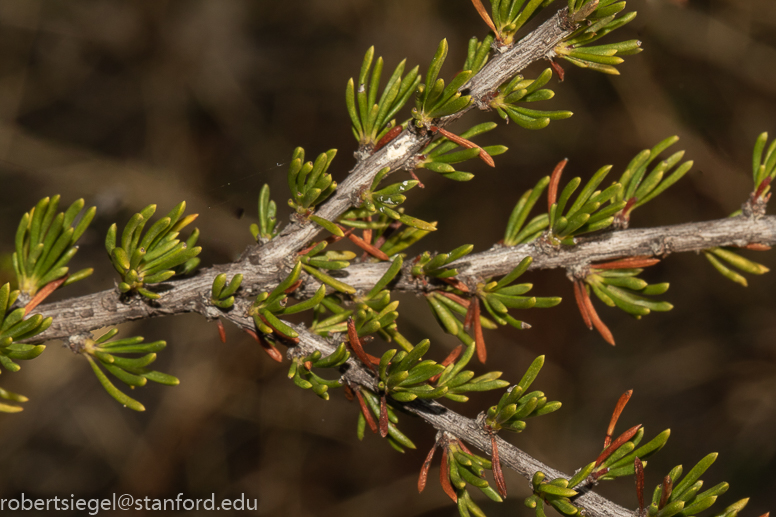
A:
[351,341]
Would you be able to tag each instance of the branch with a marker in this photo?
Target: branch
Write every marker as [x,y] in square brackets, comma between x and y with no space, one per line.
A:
[444,419]
[467,429]
[80,315]
[660,241]
[264,266]
[537,45]
[86,313]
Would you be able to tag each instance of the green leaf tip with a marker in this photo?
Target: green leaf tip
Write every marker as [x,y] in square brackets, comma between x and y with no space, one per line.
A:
[600,19]
[372,118]
[106,353]
[309,182]
[156,255]
[267,228]
[46,242]
[435,100]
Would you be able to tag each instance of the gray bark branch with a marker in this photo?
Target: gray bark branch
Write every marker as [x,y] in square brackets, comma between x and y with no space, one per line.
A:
[466,429]
[654,242]
[264,266]
[86,313]
[401,151]
[93,311]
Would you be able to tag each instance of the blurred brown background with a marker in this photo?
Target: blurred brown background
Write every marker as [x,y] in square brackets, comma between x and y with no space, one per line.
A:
[129,103]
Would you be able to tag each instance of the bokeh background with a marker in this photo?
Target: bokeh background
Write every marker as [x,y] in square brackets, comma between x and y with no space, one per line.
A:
[129,103]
